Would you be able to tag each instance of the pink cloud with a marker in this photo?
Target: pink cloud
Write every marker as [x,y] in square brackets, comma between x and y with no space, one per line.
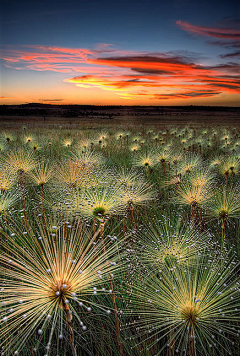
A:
[210,31]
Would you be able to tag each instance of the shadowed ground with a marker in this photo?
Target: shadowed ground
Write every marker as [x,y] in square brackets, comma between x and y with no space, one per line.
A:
[34,115]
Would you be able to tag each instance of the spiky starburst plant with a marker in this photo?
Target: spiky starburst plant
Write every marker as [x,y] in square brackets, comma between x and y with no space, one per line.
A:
[67,142]
[71,173]
[7,177]
[42,174]
[134,148]
[195,190]
[7,200]
[129,177]
[169,240]
[189,163]
[189,310]
[48,284]
[175,157]
[89,158]
[162,156]
[215,162]
[119,136]
[146,160]
[36,147]
[101,202]
[80,186]
[139,194]
[224,206]
[21,163]
[230,166]
[28,138]
[174,179]
[8,137]
[103,135]
[84,144]
[136,139]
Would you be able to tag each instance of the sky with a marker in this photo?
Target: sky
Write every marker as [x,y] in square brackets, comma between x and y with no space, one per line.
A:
[139,52]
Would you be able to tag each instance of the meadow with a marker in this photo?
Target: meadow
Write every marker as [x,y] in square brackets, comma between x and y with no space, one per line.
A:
[119,239]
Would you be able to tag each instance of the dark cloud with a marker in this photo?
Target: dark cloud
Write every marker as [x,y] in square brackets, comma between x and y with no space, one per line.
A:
[150,71]
[186,95]
[231,55]
[230,67]
[224,85]
[226,44]
[52,100]
[161,58]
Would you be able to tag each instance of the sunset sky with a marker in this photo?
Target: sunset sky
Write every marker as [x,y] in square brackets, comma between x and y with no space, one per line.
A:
[139,52]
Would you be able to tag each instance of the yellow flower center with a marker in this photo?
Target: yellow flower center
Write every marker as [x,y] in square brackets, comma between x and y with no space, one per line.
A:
[59,291]
[190,314]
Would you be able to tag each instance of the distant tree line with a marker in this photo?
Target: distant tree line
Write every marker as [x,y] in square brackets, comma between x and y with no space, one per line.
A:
[48,110]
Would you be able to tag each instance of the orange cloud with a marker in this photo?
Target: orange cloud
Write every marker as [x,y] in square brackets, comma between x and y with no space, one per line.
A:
[173,75]
[116,83]
[162,73]
[145,63]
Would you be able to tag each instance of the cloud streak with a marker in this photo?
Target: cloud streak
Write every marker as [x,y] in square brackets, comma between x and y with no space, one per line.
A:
[187,95]
[224,33]
[51,100]
[231,55]
[228,38]
[52,58]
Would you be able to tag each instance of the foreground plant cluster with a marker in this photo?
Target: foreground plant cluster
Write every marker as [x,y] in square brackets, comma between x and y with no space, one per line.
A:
[120,243]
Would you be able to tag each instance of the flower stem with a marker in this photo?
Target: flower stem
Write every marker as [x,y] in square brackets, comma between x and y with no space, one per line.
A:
[70,327]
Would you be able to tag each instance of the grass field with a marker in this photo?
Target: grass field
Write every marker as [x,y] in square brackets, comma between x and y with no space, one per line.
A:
[120,236]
